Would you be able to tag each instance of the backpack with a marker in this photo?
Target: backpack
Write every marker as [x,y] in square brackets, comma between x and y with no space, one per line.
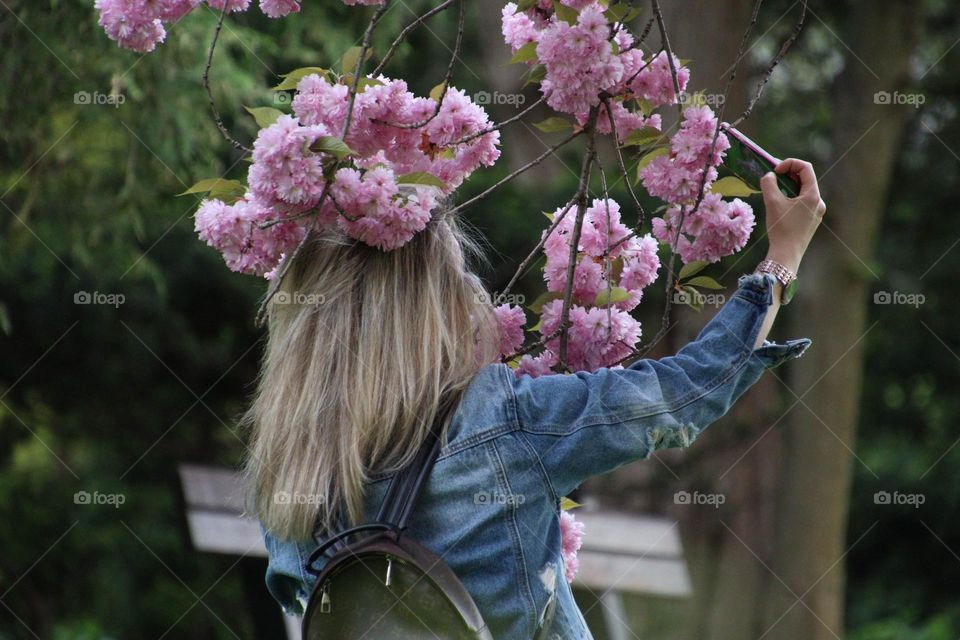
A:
[381,583]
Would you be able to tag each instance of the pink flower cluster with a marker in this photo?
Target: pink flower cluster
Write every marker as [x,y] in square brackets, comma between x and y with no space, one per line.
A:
[590,58]
[612,269]
[510,320]
[676,176]
[234,230]
[716,229]
[432,148]
[383,199]
[571,539]
[138,25]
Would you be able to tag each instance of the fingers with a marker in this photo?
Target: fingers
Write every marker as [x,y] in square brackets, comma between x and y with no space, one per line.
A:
[803,171]
[768,185]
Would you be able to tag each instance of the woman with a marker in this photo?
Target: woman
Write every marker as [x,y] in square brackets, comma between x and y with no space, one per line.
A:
[358,363]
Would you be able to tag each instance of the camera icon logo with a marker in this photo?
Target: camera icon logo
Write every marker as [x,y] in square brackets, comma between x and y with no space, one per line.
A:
[881,97]
[481,497]
[81,497]
[882,297]
[682,497]
[82,297]
[881,497]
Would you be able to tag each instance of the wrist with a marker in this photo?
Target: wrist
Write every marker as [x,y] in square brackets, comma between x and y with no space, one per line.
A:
[788,259]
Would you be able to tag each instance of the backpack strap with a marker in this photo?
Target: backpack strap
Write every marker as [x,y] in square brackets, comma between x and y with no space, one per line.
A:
[406,485]
[402,493]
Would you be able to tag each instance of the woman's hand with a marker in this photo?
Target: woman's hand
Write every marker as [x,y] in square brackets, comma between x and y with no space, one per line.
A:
[791,222]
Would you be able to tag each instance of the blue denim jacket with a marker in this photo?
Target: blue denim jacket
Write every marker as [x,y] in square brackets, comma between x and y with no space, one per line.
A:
[516,446]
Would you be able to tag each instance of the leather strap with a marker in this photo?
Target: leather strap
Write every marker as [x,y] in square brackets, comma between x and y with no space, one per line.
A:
[406,485]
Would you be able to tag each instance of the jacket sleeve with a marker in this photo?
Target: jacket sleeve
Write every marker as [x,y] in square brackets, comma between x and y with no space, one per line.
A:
[584,424]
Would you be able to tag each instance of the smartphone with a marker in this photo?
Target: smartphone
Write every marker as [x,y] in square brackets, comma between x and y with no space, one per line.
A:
[749,161]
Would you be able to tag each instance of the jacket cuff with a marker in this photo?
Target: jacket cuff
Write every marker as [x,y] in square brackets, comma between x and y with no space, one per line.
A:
[758,288]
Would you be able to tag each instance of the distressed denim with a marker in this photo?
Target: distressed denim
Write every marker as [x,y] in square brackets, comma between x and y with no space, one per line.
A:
[515,446]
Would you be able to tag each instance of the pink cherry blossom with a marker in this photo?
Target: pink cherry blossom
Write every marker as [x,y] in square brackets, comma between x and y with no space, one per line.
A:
[510,320]
[571,539]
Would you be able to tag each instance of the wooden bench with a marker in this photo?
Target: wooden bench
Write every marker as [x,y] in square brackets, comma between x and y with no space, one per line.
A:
[621,553]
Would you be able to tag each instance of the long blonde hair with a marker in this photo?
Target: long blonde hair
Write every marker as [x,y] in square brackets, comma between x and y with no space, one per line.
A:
[363,347]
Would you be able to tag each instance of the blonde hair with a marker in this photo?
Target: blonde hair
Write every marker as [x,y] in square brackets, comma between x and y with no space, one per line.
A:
[363,347]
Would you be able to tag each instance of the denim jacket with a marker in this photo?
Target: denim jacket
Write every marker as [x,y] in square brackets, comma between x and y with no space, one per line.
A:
[515,446]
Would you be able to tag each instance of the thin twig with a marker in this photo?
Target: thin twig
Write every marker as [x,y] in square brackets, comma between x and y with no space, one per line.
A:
[514,174]
[499,125]
[620,162]
[443,6]
[794,34]
[581,198]
[557,219]
[364,47]
[206,85]
[447,78]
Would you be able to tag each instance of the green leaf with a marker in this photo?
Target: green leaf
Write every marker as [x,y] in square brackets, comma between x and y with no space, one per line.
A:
[621,12]
[366,82]
[525,53]
[348,63]
[536,75]
[643,136]
[217,188]
[645,106]
[646,159]
[537,305]
[692,298]
[554,124]
[333,146]
[292,79]
[437,91]
[566,504]
[565,13]
[704,281]
[614,295]
[421,177]
[523,5]
[265,116]
[692,268]
[550,215]
[732,186]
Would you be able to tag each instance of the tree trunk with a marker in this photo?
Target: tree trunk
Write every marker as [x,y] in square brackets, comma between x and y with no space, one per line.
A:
[836,282]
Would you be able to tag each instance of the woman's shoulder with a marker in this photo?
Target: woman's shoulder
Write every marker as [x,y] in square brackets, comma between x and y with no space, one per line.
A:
[486,409]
